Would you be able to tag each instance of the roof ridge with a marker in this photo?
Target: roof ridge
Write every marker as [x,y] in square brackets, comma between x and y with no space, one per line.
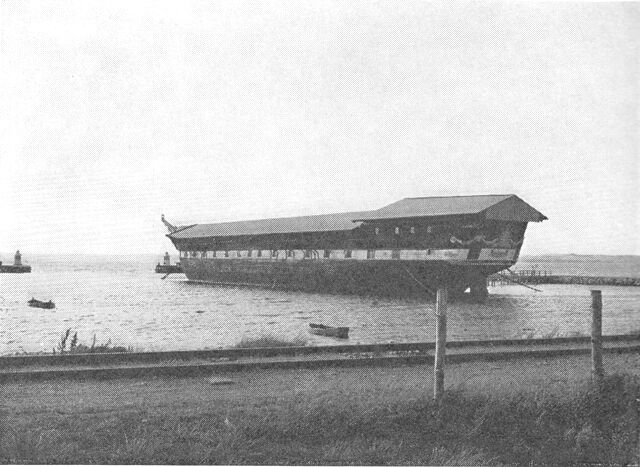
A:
[460,196]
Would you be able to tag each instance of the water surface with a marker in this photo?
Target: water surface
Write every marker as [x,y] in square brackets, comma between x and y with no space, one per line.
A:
[122,300]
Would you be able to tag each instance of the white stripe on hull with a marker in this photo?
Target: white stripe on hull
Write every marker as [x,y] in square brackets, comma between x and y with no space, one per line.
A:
[486,254]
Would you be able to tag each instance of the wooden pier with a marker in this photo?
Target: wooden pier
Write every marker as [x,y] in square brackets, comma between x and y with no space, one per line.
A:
[538,276]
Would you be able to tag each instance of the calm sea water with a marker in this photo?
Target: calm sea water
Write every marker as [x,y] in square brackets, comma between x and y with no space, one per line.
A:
[121,299]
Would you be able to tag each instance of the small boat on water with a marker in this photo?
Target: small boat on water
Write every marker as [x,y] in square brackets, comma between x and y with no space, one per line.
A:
[40,304]
[329,331]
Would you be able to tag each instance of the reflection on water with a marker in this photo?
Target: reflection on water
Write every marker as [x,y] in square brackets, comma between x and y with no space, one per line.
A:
[125,301]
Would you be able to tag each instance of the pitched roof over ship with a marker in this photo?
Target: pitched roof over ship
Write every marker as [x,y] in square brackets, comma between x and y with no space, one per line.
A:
[493,207]
[317,223]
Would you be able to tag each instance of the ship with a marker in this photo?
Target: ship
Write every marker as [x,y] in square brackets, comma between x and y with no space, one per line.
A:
[411,247]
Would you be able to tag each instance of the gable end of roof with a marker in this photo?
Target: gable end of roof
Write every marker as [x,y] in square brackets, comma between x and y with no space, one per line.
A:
[514,209]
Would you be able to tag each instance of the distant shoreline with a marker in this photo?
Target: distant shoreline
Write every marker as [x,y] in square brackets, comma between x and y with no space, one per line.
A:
[174,253]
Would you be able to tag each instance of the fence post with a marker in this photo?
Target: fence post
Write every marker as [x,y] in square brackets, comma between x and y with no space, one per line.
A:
[597,371]
[441,342]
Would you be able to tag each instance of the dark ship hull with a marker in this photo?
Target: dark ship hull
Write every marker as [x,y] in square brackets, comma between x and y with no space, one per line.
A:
[346,276]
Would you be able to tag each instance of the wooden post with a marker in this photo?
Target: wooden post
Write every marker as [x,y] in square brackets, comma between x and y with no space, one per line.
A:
[441,342]
[597,371]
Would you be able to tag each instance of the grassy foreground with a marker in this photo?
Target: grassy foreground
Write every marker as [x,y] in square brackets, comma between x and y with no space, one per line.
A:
[582,425]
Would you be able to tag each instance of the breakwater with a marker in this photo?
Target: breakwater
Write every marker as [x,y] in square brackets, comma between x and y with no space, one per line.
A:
[565,279]
[16,269]
[169,269]
[587,280]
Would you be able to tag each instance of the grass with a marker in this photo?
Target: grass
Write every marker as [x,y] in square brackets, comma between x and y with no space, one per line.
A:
[268,340]
[588,424]
[76,347]
[552,334]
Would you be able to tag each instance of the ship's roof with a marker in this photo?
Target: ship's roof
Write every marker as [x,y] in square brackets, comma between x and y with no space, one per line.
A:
[495,207]
[317,223]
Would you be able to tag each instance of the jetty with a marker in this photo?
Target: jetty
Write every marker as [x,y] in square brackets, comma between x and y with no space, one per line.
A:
[166,267]
[535,276]
[17,267]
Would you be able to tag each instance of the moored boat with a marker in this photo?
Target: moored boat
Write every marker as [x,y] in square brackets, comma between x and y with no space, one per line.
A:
[329,331]
[40,304]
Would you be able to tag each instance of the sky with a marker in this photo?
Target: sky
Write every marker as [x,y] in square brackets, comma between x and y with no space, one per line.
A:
[113,113]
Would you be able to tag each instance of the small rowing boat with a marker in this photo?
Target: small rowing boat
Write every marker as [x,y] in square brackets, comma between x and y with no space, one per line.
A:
[329,331]
[40,304]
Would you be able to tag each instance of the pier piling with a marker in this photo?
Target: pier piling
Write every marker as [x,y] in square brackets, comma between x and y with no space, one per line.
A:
[441,343]
[597,372]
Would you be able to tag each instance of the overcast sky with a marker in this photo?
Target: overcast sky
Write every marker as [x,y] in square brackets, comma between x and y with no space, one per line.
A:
[115,112]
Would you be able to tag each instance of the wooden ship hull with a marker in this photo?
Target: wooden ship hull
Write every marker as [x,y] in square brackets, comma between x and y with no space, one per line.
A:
[383,277]
[411,247]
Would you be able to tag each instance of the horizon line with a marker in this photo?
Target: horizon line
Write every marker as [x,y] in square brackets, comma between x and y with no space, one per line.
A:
[2,253]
